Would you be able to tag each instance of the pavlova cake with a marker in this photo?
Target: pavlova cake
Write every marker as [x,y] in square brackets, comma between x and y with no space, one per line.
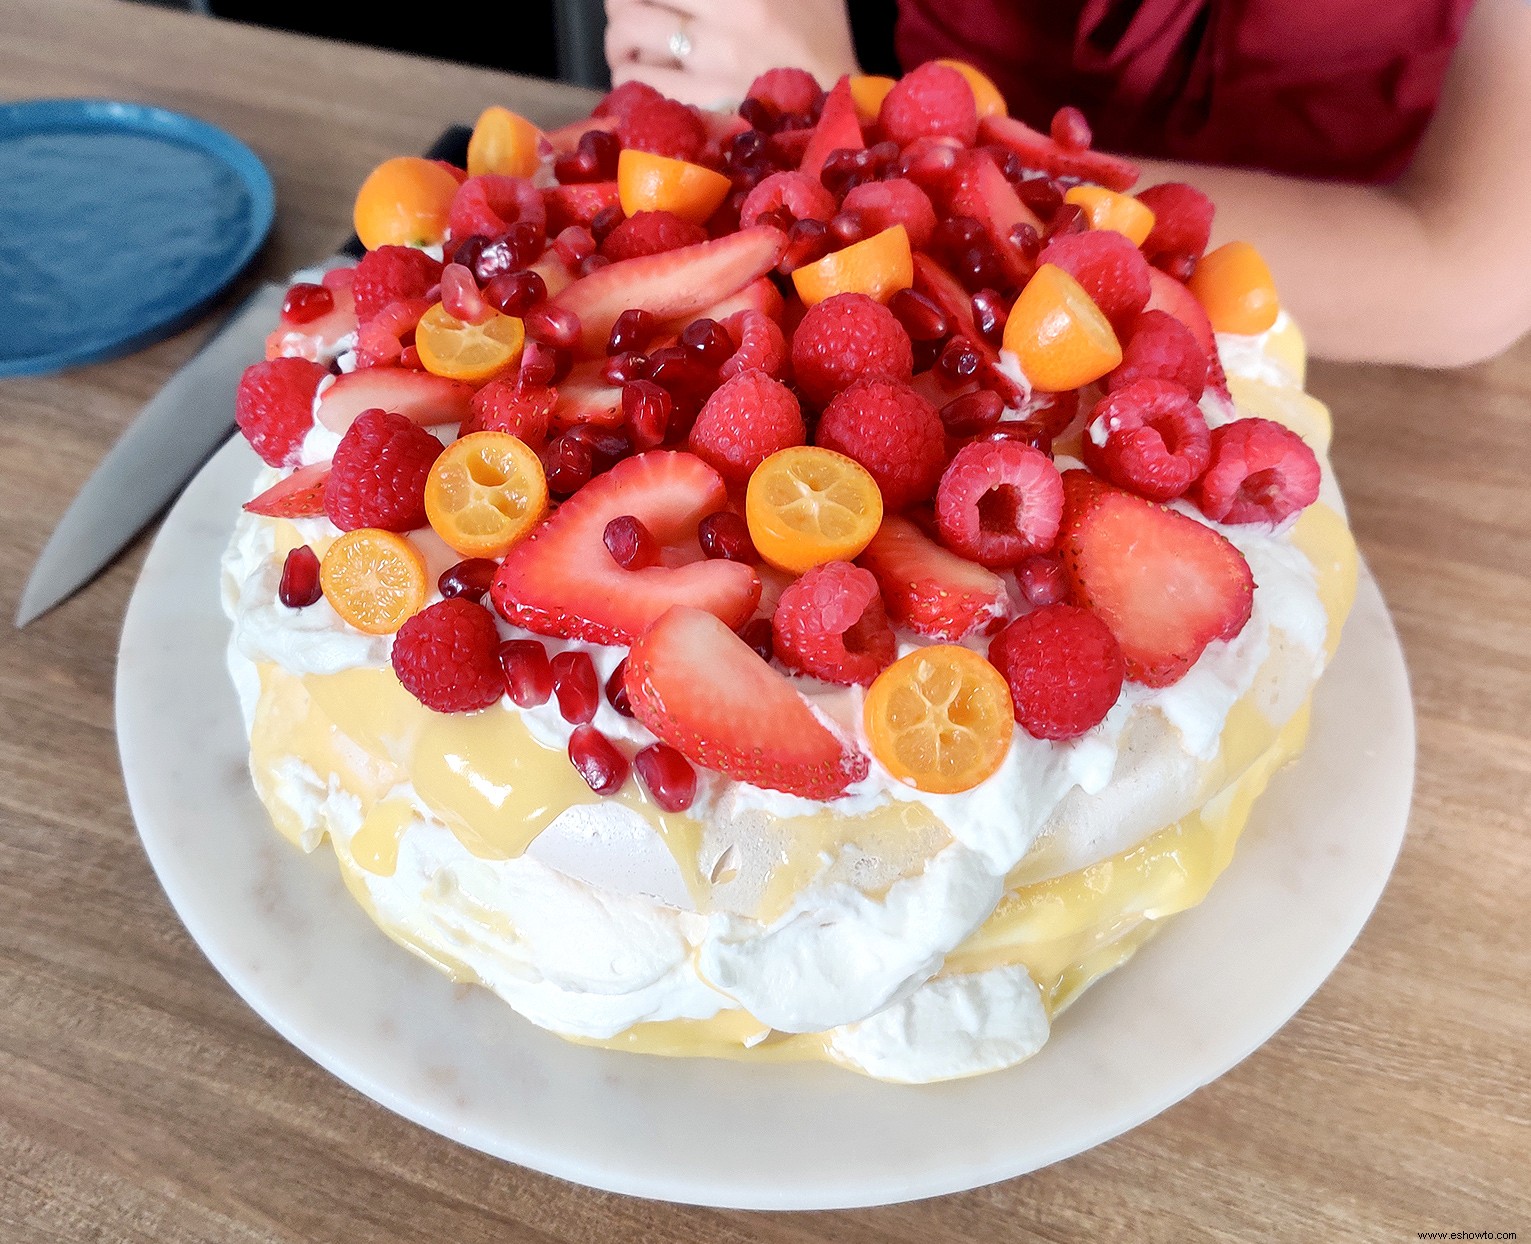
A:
[825,582]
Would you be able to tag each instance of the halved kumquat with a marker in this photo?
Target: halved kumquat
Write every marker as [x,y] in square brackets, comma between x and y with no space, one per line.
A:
[503,142]
[654,183]
[373,579]
[1106,209]
[807,505]
[868,90]
[485,493]
[1058,334]
[985,94]
[1236,289]
[404,202]
[459,350]
[878,266]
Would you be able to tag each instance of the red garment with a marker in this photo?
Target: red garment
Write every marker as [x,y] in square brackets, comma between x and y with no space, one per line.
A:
[1319,88]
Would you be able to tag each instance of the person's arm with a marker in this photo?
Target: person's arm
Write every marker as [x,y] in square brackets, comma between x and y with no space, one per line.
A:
[1434,270]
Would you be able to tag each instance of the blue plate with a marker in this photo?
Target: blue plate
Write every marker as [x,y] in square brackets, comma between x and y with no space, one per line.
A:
[118,222]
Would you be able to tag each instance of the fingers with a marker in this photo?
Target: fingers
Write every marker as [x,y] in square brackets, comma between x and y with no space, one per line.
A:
[641,33]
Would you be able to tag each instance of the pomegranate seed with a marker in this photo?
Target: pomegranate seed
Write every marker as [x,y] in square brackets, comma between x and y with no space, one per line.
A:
[1054,411]
[1177,264]
[542,365]
[603,147]
[1025,238]
[629,365]
[927,162]
[460,297]
[591,263]
[1010,165]
[957,234]
[971,413]
[746,150]
[684,374]
[757,114]
[922,319]
[410,357]
[632,330]
[608,446]
[726,536]
[978,266]
[602,766]
[631,545]
[1070,130]
[300,578]
[528,675]
[847,227]
[709,341]
[517,247]
[990,314]
[575,685]
[670,779]
[607,219]
[568,464]
[616,689]
[515,293]
[959,361]
[1041,580]
[777,217]
[574,244]
[880,156]
[577,166]
[646,411]
[1041,194]
[758,635]
[467,252]
[1008,388]
[807,241]
[1024,431]
[469,578]
[553,326]
[1067,219]
[306,302]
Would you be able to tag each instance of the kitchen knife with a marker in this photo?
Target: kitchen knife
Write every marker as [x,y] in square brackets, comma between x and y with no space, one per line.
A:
[174,434]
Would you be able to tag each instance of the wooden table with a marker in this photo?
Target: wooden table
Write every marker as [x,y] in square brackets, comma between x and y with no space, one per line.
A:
[140,1099]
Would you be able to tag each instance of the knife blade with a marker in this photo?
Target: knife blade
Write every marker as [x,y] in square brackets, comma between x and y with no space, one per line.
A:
[178,431]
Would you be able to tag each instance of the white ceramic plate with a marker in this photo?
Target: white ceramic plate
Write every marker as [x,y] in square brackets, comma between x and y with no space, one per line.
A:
[282,930]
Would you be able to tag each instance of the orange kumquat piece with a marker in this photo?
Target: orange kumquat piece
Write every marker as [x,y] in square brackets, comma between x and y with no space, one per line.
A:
[878,266]
[1058,333]
[373,579]
[807,505]
[485,493]
[503,142]
[459,350]
[868,90]
[404,202]
[1236,289]
[985,94]
[1106,209]
[654,183]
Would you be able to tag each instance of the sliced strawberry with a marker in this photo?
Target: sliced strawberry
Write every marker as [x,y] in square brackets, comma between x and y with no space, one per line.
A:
[1165,584]
[837,128]
[708,694]
[978,189]
[321,339]
[417,395]
[671,285]
[1173,297]
[566,138]
[584,397]
[721,129]
[561,580]
[300,495]
[578,204]
[928,589]
[554,272]
[1037,150]
[941,287]
[759,295]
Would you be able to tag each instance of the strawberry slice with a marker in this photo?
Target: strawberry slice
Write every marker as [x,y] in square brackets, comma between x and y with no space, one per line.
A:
[759,295]
[837,128]
[708,694]
[566,138]
[978,189]
[417,395]
[941,287]
[584,397]
[299,495]
[673,284]
[561,580]
[1165,584]
[929,589]
[1040,152]
[1171,296]
[577,204]
[318,340]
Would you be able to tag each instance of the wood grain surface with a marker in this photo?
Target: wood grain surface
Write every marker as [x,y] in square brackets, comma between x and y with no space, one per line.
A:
[141,1100]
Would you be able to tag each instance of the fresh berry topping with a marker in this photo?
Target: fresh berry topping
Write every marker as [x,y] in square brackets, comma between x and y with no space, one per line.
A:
[621,100]
[668,776]
[978,190]
[527,672]
[299,495]
[760,345]
[744,422]
[1070,130]
[838,129]
[1041,580]
[631,544]
[1260,472]
[708,341]
[553,326]
[758,635]
[631,331]
[576,686]
[999,502]
[560,580]
[392,274]
[616,689]
[1064,669]
[447,657]
[1148,437]
[650,233]
[786,90]
[929,589]
[506,406]
[705,692]
[919,316]
[597,760]
[663,127]
[897,201]
[299,585]
[491,203]
[831,624]
[844,339]
[930,100]
[1165,584]
[515,293]
[377,477]
[274,406]
[306,302]
[646,412]
[787,197]
[726,535]
[1161,348]
[1182,220]
[1040,152]
[469,578]
[418,396]
[578,204]
[1109,267]
[971,413]
[893,432]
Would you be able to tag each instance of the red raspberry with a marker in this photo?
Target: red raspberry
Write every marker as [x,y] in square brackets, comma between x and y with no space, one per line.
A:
[377,477]
[649,233]
[1161,348]
[578,204]
[762,347]
[621,100]
[274,406]
[928,101]
[1148,437]
[1261,472]
[893,432]
[786,90]
[392,274]
[664,127]
[447,657]
[745,421]
[898,201]
[800,196]
[380,342]
[999,502]
[505,406]
[1182,220]
[843,339]
[1111,269]
[491,202]
[831,623]
[1064,667]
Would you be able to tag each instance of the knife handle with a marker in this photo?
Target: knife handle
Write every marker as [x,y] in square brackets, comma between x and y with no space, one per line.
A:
[451,145]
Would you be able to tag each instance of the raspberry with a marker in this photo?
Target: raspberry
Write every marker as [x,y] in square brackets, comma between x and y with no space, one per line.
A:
[1182,220]
[621,100]
[1161,348]
[843,339]
[649,233]
[1111,269]
[1148,437]
[761,345]
[831,624]
[786,90]
[274,406]
[380,341]
[796,194]
[893,432]
[745,421]
[1064,668]
[929,101]
[898,201]
[999,502]
[447,657]
[491,202]
[377,477]
[1261,472]
[392,274]
[505,406]
[578,204]
[664,127]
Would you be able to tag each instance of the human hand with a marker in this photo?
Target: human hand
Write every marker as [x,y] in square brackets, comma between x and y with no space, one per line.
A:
[730,44]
